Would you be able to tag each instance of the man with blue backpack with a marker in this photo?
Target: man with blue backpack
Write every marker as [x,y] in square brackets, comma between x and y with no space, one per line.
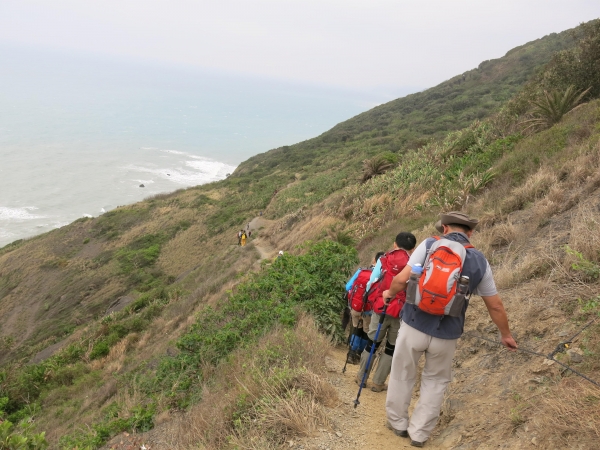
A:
[439,278]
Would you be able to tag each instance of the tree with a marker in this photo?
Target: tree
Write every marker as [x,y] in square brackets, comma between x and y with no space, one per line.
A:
[375,166]
[550,107]
[579,66]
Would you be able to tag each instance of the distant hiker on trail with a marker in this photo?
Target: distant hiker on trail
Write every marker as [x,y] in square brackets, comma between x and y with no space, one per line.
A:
[390,264]
[249,233]
[360,309]
[243,239]
[433,320]
[240,237]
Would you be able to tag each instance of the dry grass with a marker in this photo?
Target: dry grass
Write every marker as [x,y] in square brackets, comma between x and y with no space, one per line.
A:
[519,266]
[585,232]
[286,409]
[553,203]
[491,238]
[262,402]
[534,188]
[571,416]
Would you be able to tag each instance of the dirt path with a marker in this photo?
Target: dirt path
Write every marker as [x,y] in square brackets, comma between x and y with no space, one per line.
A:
[261,243]
[363,427]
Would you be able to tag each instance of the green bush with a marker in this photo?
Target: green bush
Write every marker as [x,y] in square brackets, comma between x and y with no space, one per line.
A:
[313,281]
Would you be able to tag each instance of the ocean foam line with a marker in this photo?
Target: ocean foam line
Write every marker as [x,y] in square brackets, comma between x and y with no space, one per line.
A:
[203,171]
[22,213]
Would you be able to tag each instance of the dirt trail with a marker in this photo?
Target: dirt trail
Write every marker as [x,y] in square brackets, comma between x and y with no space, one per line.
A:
[363,427]
[261,243]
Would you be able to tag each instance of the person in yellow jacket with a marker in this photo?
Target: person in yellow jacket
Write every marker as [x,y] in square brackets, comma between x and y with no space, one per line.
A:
[243,239]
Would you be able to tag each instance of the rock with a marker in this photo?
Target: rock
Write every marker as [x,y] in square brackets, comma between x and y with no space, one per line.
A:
[338,434]
[574,356]
[534,441]
[141,185]
[563,334]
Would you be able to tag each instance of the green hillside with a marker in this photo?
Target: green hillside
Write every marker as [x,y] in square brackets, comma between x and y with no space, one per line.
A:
[325,164]
[150,317]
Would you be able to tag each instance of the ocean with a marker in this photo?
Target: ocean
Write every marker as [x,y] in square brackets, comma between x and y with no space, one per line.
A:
[80,134]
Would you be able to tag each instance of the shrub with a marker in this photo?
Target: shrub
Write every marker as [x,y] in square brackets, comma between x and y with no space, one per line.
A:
[313,281]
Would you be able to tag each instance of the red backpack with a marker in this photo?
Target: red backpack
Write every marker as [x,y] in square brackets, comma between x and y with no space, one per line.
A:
[356,294]
[392,264]
[437,291]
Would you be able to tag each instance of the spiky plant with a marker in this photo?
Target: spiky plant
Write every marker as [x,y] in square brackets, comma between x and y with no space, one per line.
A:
[375,166]
[550,108]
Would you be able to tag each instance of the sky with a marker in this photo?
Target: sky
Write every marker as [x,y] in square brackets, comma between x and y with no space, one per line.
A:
[351,44]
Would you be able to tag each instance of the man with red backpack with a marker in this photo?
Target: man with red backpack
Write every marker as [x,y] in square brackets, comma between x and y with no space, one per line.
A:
[389,265]
[441,275]
[360,309]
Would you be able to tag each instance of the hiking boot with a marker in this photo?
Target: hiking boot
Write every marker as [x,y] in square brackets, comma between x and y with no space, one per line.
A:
[358,380]
[416,443]
[379,387]
[354,357]
[401,433]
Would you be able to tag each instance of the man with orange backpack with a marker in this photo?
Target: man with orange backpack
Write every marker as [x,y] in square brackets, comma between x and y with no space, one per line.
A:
[389,265]
[439,278]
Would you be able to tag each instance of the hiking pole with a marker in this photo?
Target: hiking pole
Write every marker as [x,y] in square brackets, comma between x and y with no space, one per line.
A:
[364,378]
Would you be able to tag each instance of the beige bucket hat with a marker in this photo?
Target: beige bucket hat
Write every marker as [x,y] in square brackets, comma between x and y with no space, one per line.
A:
[455,217]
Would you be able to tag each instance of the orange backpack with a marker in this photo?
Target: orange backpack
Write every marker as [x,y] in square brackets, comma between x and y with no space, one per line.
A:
[437,291]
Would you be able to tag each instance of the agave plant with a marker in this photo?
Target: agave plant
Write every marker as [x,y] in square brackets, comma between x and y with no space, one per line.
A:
[375,166]
[550,108]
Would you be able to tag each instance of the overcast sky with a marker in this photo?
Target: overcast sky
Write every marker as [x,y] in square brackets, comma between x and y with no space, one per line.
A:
[358,44]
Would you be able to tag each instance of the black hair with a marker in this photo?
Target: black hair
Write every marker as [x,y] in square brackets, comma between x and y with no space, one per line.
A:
[406,240]
[460,226]
[378,255]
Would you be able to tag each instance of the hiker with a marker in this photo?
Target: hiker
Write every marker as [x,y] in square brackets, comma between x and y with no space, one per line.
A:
[435,332]
[249,234]
[280,254]
[243,239]
[360,309]
[239,235]
[390,264]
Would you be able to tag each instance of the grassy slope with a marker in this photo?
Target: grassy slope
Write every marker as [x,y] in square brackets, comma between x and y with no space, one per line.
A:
[167,248]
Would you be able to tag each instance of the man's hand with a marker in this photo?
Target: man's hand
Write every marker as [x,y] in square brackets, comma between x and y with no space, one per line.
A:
[510,343]
[386,296]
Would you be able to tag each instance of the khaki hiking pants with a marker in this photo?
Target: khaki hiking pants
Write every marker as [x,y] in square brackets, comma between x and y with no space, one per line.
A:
[366,319]
[389,328]
[410,345]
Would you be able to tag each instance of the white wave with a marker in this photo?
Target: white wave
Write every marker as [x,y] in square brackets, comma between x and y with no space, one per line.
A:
[176,152]
[60,224]
[202,171]
[19,213]
[89,216]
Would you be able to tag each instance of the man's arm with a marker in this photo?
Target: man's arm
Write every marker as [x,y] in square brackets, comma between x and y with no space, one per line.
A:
[398,284]
[498,315]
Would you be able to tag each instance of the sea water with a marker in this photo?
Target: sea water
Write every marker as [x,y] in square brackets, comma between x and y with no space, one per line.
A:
[81,135]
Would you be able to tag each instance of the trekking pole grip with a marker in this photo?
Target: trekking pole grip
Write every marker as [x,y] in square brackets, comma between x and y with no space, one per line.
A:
[384,310]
